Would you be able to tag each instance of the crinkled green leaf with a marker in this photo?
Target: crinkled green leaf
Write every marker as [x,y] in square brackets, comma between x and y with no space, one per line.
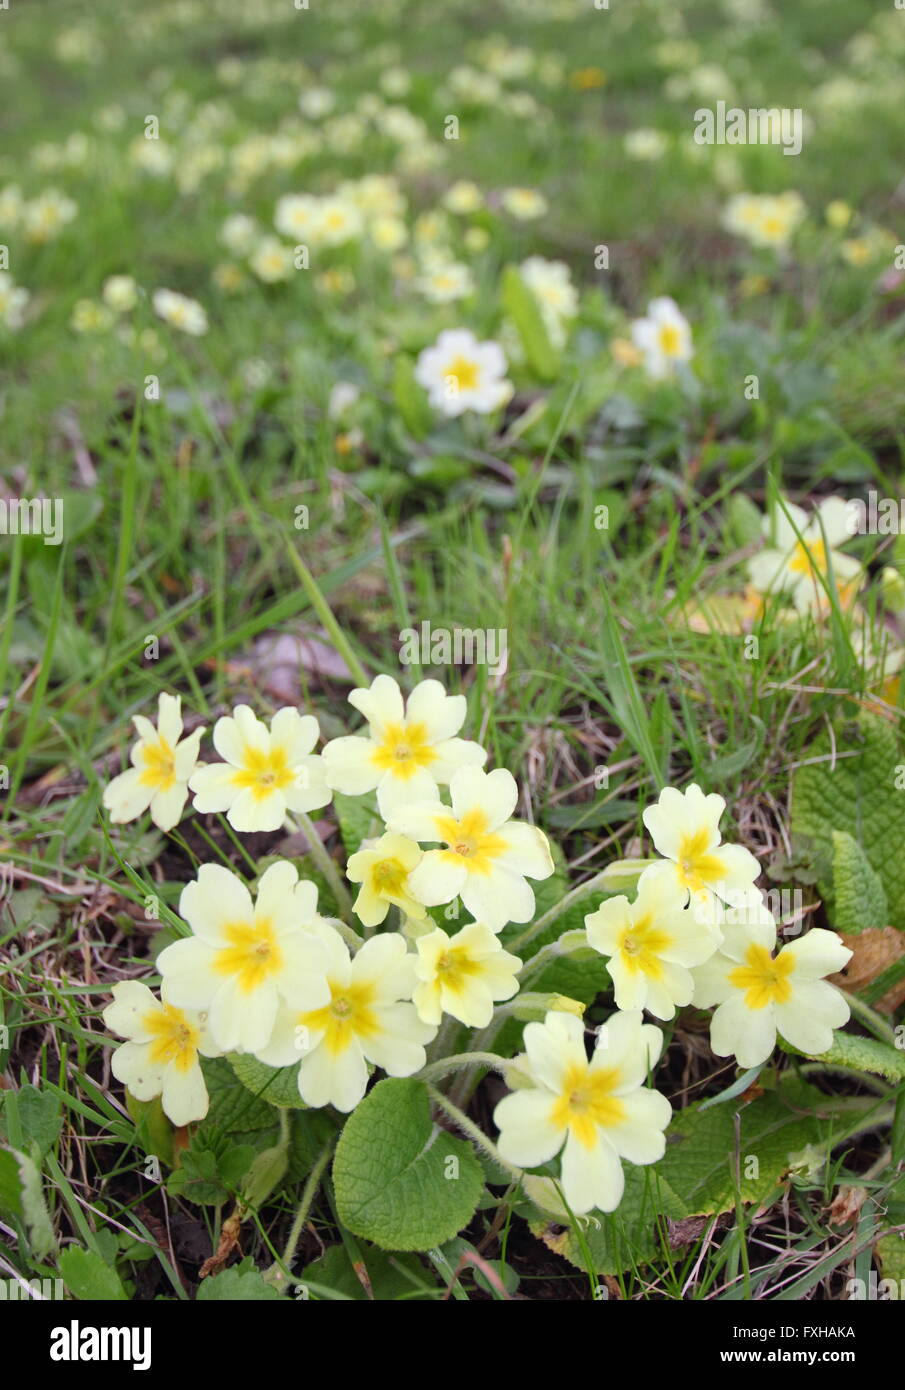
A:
[395,1181]
[860,898]
[22,1196]
[391,1276]
[358,820]
[275,1085]
[856,794]
[865,1054]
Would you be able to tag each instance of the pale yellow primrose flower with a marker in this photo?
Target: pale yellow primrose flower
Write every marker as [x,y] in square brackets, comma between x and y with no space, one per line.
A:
[651,943]
[246,958]
[759,994]
[487,856]
[382,867]
[685,830]
[162,763]
[792,566]
[664,337]
[161,1055]
[463,975]
[599,1108]
[179,311]
[410,747]
[367,1017]
[266,773]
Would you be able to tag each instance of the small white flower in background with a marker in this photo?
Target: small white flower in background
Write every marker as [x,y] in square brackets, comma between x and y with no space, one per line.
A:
[316,102]
[46,216]
[272,260]
[246,958]
[294,216]
[160,1057]
[90,316]
[265,773]
[599,1108]
[463,197]
[684,827]
[239,233]
[162,763]
[759,994]
[388,233]
[651,944]
[382,868]
[792,565]
[336,221]
[11,206]
[459,373]
[410,748]
[343,395]
[524,204]
[120,293]
[664,337]
[646,144]
[13,301]
[368,1017]
[179,311]
[551,284]
[764,220]
[487,856]
[444,282]
[463,975]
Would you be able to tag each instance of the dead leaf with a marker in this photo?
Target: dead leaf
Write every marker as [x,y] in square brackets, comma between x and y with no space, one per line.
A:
[229,1241]
[686,1231]
[873,951]
[277,660]
[846,1205]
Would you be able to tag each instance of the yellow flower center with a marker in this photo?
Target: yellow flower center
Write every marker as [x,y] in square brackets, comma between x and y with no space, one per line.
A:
[264,773]
[454,967]
[388,877]
[764,978]
[586,1101]
[405,749]
[670,338]
[470,840]
[253,954]
[806,559]
[641,947]
[698,866]
[349,1016]
[175,1040]
[159,769]
[462,374]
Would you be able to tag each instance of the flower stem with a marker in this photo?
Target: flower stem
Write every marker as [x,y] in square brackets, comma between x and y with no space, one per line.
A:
[308,1195]
[554,913]
[324,862]
[445,1065]
[871,1019]
[476,1135]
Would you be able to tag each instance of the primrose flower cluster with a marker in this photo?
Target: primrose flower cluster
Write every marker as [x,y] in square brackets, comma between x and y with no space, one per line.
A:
[270,975]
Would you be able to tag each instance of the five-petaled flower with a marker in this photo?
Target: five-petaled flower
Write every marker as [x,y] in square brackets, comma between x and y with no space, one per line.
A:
[684,827]
[487,857]
[664,337]
[651,943]
[760,994]
[367,1017]
[266,773]
[382,868]
[463,975]
[599,1108]
[160,1057]
[245,957]
[410,748]
[804,547]
[162,763]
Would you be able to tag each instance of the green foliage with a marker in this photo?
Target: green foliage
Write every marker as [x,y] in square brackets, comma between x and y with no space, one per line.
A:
[400,1181]
[89,1278]
[524,311]
[22,1197]
[857,796]
[276,1085]
[857,890]
[241,1283]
